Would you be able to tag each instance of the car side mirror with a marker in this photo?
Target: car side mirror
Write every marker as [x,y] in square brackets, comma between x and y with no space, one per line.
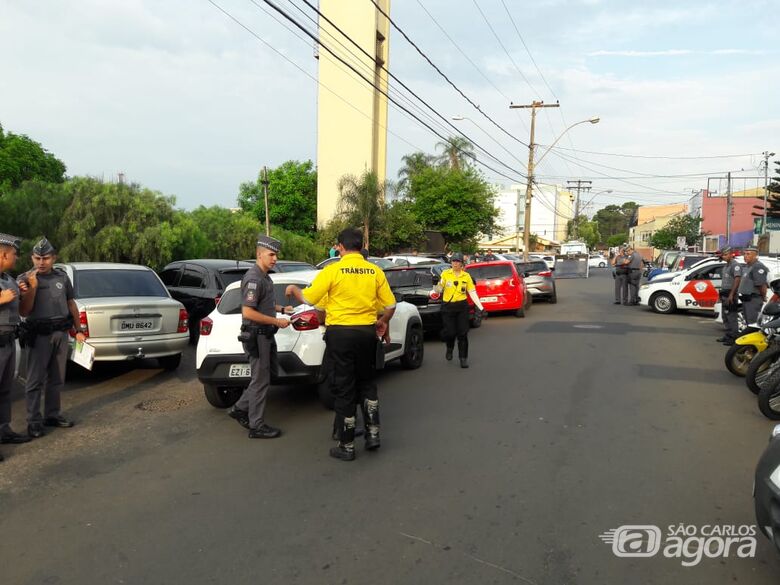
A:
[526,274]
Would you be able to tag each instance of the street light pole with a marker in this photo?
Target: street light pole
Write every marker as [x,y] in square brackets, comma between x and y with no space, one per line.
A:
[531,165]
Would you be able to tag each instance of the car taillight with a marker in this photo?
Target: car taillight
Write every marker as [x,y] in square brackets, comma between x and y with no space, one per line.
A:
[206,325]
[183,319]
[83,325]
[545,273]
[305,321]
[216,300]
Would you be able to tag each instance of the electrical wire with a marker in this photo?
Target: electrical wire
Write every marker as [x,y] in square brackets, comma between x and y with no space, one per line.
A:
[384,92]
[656,157]
[442,74]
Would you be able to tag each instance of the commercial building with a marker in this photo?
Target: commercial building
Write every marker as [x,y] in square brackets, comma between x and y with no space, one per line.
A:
[648,220]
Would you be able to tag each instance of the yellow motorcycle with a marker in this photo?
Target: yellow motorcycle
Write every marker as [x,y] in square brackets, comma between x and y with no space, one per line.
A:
[748,346]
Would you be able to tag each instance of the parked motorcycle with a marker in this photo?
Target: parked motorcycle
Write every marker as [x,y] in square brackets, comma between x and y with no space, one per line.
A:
[750,344]
[764,369]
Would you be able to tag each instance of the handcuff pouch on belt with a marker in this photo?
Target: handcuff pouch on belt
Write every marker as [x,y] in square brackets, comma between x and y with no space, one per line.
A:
[249,334]
[30,330]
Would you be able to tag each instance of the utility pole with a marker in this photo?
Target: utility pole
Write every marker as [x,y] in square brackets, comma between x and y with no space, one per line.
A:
[728,209]
[529,180]
[264,181]
[767,156]
[579,185]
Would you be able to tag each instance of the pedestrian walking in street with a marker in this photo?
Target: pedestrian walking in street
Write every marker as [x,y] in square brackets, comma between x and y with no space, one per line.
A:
[332,253]
[456,286]
[259,325]
[354,288]
[620,263]
[732,275]
[9,321]
[634,275]
[50,311]
[753,285]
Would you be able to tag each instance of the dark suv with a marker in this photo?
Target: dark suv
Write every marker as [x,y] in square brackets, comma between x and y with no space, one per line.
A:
[198,285]
[412,285]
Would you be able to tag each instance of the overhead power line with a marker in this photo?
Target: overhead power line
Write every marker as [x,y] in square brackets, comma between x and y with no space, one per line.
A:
[444,76]
[659,157]
[384,92]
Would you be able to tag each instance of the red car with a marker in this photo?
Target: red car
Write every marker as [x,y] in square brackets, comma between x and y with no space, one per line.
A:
[500,287]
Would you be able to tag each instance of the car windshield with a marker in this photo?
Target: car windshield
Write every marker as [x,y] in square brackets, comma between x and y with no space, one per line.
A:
[96,283]
[381,262]
[232,275]
[489,272]
[398,278]
[230,303]
[532,267]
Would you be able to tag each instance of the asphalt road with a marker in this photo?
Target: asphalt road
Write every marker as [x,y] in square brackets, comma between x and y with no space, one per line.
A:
[580,418]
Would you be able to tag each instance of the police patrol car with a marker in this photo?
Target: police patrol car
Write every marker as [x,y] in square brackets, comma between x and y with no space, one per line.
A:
[694,288]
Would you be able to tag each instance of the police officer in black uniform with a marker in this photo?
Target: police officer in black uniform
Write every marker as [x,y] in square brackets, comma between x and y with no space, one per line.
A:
[50,312]
[259,325]
[634,275]
[732,275]
[9,320]
[753,285]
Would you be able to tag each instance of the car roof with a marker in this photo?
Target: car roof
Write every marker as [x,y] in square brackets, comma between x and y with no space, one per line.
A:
[301,277]
[490,263]
[103,266]
[212,263]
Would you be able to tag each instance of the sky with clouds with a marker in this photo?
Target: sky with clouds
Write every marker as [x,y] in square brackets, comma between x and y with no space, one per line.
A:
[185,100]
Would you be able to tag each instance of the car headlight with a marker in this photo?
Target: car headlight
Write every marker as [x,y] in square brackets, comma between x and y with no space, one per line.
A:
[775,477]
[644,286]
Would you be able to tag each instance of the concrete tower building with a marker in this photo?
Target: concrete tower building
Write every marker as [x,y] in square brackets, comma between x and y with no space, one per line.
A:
[351,126]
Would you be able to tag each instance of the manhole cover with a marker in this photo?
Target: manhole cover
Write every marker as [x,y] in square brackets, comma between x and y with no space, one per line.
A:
[163,404]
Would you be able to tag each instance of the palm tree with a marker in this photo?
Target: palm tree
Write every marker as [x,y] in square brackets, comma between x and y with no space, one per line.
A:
[412,164]
[362,200]
[456,152]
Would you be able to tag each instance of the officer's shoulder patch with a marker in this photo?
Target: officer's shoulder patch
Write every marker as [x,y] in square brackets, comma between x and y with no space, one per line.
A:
[761,271]
[251,284]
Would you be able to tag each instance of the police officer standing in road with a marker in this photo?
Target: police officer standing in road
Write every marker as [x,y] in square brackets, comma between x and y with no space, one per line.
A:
[620,262]
[753,285]
[50,311]
[732,275]
[259,325]
[456,285]
[355,288]
[634,275]
[9,321]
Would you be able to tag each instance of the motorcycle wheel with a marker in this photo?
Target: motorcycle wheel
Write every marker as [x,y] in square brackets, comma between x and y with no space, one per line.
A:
[769,402]
[738,359]
[764,370]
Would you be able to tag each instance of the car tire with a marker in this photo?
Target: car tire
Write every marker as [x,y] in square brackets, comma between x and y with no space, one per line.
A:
[769,401]
[602,264]
[169,362]
[476,321]
[738,359]
[663,303]
[220,396]
[764,370]
[520,313]
[414,349]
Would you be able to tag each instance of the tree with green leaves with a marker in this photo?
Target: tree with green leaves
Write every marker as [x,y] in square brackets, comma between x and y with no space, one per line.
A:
[398,228]
[412,164]
[617,240]
[457,152]
[362,201]
[35,208]
[292,197]
[584,230]
[681,226]
[615,219]
[457,203]
[23,159]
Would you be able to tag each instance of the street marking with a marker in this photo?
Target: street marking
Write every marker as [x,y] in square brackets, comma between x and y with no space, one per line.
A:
[588,326]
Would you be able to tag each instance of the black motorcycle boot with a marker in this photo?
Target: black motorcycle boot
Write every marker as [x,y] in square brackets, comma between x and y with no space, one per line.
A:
[345,450]
[448,355]
[370,410]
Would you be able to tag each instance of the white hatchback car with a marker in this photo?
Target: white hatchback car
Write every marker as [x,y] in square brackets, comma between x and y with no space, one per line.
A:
[597,261]
[223,368]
